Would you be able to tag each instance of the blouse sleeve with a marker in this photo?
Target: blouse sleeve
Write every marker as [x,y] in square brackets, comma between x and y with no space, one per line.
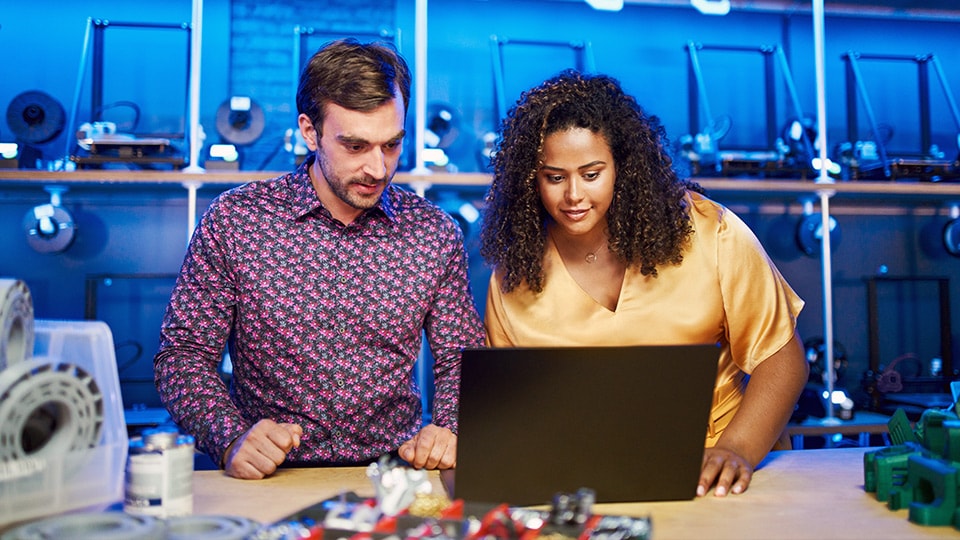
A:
[760,307]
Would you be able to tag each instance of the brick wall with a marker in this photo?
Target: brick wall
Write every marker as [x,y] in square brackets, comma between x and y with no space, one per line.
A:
[262,63]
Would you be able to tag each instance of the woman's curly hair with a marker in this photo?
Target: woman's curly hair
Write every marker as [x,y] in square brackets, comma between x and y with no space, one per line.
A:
[647,219]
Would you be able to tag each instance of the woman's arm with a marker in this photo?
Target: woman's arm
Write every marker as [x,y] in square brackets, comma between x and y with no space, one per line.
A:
[768,402]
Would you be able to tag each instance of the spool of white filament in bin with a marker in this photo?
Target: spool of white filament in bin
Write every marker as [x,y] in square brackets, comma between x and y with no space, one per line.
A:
[47,410]
[16,322]
[63,439]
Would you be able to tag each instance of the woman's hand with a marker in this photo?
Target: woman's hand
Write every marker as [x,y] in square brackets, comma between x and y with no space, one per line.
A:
[726,469]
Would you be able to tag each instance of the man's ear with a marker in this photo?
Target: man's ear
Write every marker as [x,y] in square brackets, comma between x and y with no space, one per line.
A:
[308,132]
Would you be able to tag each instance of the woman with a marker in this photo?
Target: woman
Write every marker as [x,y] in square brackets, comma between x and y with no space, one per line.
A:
[595,241]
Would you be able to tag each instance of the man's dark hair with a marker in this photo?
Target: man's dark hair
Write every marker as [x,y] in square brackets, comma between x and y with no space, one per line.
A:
[356,76]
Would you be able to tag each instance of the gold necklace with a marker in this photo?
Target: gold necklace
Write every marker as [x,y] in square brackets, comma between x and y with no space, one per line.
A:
[591,256]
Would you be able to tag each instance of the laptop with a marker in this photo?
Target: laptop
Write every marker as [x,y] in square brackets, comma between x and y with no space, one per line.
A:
[627,422]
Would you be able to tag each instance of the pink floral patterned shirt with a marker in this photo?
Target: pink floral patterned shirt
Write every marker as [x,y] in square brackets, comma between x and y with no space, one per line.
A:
[325,320]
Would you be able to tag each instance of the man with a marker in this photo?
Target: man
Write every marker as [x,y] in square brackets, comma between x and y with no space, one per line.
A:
[324,281]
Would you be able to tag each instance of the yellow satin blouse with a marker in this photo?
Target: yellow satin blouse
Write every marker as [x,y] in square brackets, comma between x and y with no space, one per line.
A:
[725,291]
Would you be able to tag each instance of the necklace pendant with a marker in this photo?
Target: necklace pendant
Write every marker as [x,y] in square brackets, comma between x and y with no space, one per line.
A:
[590,258]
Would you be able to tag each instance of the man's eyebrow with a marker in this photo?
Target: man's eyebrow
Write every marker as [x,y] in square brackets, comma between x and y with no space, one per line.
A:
[350,139]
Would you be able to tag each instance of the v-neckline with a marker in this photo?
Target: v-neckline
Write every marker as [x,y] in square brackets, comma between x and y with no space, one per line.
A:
[556,254]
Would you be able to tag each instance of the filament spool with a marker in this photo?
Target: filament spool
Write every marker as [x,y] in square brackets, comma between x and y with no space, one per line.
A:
[47,410]
[16,323]
[210,528]
[97,526]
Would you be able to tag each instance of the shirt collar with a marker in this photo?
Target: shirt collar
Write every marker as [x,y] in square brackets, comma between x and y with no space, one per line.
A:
[305,199]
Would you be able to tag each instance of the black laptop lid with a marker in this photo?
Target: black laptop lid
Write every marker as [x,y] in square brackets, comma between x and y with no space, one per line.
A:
[627,422]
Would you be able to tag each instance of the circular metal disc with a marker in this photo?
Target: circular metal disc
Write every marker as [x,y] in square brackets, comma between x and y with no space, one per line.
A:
[951,237]
[35,117]
[240,127]
[49,229]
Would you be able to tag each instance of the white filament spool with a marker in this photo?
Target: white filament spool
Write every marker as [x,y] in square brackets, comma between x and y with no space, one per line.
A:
[47,410]
[210,528]
[16,322]
[103,526]
[121,526]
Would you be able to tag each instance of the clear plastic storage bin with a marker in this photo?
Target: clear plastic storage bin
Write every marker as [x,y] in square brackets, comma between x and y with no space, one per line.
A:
[63,438]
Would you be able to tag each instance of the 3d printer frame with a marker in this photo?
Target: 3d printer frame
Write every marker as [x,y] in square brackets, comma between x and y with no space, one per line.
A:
[921,165]
[768,160]
[144,149]
[925,382]
[583,61]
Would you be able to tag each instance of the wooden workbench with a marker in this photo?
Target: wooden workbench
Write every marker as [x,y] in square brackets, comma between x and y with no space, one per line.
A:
[794,494]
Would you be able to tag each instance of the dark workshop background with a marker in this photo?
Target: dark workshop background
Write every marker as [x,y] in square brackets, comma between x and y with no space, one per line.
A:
[131,237]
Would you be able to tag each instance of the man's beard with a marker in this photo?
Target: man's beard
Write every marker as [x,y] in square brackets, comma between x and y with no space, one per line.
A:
[341,187]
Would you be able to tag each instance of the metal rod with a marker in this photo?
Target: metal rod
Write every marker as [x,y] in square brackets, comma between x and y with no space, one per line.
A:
[712,47]
[192,187]
[788,82]
[794,100]
[498,85]
[825,194]
[946,90]
[701,86]
[420,67]
[769,94]
[299,34]
[871,118]
[923,87]
[196,41]
[75,110]
[588,62]
[140,24]
[96,78]
[826,258]
[892,57]
[564,44]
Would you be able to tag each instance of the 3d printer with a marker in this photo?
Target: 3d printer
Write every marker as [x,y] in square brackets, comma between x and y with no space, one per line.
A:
[100,142]
[872,158]
[788,150]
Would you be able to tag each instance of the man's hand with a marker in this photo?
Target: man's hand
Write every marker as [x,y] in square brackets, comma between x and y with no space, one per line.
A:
[258,452]
[727,469]
[433,447]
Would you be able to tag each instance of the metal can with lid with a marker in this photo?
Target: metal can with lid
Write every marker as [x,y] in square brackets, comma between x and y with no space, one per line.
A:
[159,480]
